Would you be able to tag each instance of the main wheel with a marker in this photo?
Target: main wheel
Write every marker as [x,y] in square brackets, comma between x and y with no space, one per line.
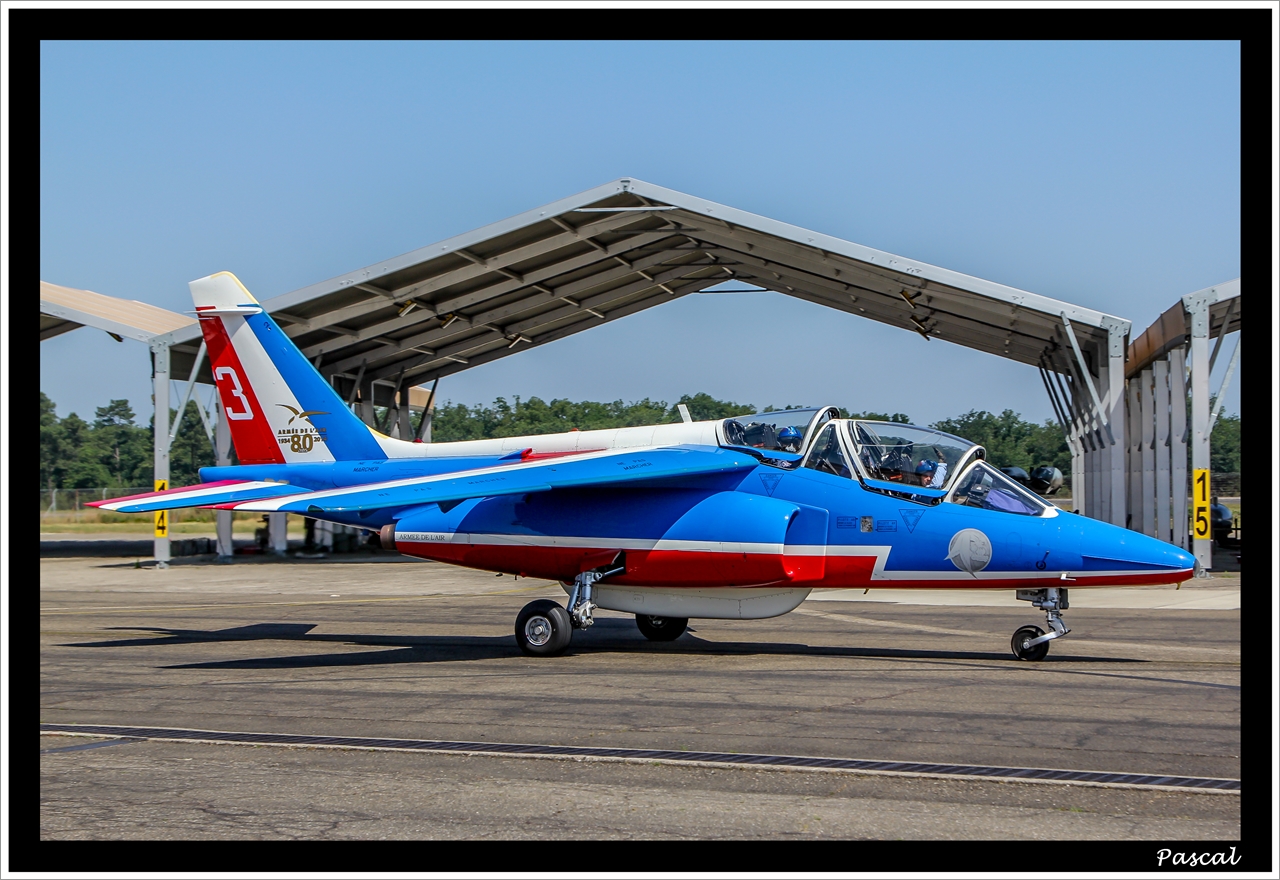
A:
[1022,651]
[661,629]
[543,628]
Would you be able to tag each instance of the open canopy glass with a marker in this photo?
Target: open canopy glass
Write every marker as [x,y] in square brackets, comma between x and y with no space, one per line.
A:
[909,455]
[768,430]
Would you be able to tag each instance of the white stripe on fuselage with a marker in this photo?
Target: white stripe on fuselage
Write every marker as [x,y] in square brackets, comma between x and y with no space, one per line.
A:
[497,540]
[878,573]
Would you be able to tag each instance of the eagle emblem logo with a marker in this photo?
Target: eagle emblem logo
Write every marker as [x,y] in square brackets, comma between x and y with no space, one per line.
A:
[305,416]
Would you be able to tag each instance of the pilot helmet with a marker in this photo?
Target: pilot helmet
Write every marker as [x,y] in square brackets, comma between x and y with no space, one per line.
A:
[789,436]
[926,467]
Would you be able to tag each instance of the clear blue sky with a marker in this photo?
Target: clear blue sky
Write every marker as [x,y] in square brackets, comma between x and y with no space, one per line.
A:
[1105,174]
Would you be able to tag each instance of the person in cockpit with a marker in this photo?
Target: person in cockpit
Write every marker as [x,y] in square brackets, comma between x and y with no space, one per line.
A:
[789,439]
[931,474]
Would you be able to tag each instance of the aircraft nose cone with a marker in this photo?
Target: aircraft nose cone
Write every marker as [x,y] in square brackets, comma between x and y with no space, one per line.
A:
[1160,554]
[1112,549]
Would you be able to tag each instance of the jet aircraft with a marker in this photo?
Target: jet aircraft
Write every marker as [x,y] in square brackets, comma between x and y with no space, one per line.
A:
[734,518]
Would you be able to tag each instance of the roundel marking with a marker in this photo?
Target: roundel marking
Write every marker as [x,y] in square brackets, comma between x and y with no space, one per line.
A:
[970,550]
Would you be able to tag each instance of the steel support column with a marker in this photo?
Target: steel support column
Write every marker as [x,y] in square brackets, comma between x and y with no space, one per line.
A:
[278,532]
[1134,465]
[1199,313]
[1178,444]
[1097,503]
[364,406]
[404,425]
[1160,373]
[1147,393]
[222,440]
[1116,333]
[160,430]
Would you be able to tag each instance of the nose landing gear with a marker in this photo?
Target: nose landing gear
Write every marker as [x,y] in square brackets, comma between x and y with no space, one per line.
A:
[1031,642]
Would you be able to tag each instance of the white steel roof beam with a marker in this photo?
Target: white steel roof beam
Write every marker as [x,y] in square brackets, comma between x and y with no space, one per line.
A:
[446,308]
[1222,333]
[429,370]
[886,309]
[1088,380]
[566,292]
[1019,348]
[517,255]
[666,281]
[551,270]
[765,226]
[574,231]
[1016,305]
[995,312]
[591,305]
[325,320]
[883,306]
[464,273]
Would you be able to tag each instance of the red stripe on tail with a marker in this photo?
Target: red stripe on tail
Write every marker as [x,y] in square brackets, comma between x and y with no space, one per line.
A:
[250,430]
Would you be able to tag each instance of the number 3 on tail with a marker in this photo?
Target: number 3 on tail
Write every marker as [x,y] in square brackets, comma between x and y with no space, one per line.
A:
[237,392]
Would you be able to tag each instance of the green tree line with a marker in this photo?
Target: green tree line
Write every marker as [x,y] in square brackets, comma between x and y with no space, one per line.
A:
[114,451]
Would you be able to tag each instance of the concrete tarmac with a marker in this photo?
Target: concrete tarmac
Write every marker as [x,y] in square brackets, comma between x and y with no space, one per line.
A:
[387,647]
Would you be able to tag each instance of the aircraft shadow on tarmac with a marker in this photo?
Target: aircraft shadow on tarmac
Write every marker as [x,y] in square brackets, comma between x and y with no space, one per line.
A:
[609,635]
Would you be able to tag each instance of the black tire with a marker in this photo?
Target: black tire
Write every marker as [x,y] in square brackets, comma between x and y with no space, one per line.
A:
[1024,635]
[661,629]
[543,628]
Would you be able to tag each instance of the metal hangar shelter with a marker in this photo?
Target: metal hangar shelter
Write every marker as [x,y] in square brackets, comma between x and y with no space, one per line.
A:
[1158,428]
[629,245]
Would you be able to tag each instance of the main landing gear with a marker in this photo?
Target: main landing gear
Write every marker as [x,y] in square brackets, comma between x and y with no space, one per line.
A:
[543,628]
[1031,642]
[661,629]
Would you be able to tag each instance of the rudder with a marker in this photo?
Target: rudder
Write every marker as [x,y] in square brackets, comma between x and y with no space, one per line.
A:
[278,406]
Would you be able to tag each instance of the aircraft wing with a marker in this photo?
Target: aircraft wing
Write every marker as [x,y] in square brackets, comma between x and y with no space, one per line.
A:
[605,468]
[221,492]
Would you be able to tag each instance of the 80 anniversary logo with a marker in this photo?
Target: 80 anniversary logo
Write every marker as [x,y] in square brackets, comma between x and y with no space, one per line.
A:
[300,439]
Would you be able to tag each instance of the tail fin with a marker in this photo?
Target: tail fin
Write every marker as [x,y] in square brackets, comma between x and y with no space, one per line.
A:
[280,409]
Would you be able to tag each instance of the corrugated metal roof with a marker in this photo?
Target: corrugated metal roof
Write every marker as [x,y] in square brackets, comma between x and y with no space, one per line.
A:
[66,308]
[1171,329]
[624,247]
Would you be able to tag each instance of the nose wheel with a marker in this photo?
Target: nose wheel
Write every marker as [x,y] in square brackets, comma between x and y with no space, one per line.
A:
[1022,645]
[1031,642]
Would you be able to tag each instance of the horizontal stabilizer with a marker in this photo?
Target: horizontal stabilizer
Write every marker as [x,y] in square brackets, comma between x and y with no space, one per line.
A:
[605,468]
[201,495]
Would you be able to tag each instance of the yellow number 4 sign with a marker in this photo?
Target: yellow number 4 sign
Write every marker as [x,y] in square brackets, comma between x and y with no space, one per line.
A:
[1200,492]
[162,516]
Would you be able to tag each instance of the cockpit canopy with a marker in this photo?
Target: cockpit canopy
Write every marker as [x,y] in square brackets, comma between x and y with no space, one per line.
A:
[905,461]
[909,455]
[768,430]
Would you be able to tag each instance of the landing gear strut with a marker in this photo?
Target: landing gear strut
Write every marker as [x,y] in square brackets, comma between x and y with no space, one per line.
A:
[580,604]
[1031,642]
[544,628]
